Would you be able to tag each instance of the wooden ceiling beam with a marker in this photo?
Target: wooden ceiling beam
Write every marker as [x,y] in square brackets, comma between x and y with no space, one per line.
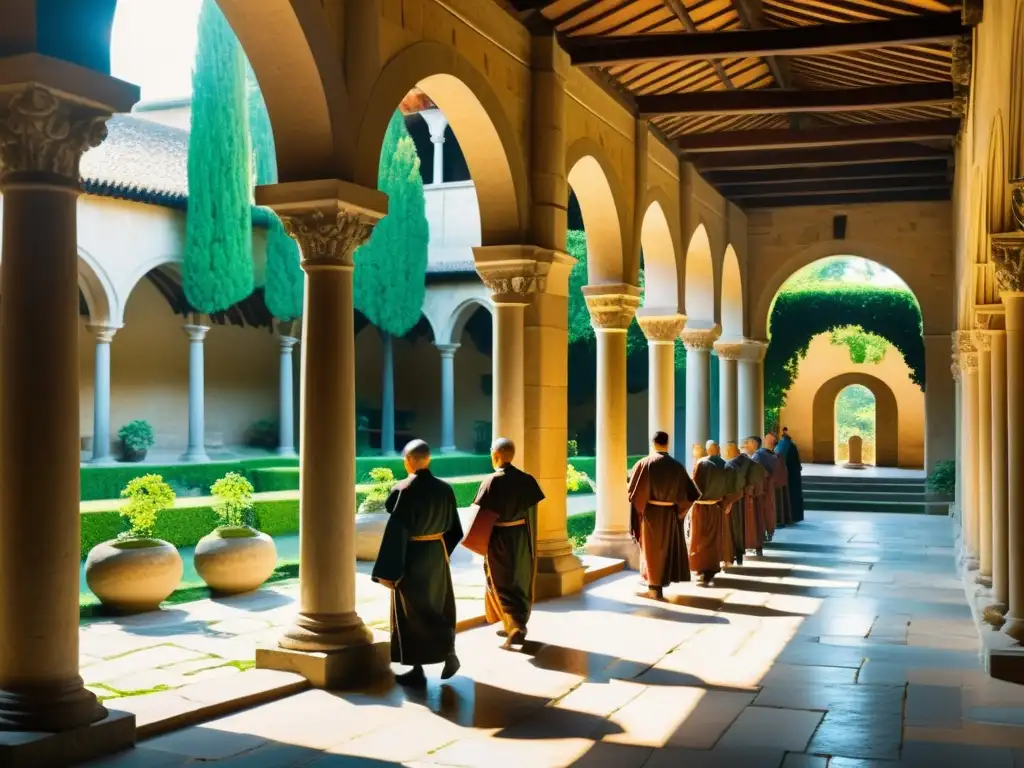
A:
[835,186]
[812,40]
[529,5]
[772,101]
[868,133]
[780,178]
[848,198]
[680,12]
[866,153]
[752,17]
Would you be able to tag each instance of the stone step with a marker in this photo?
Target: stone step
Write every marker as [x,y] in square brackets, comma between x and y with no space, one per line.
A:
[830,494]
[854,487]
[849,504]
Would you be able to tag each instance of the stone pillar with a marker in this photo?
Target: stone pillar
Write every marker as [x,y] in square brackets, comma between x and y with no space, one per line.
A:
[982,341]
[101,394]
[939,403]
[611,314]
[196,450]
[661,332]
[43,134]
[327,642]
[1000,521]
[968,361]
[750,405]
[729,355]
[436,124]
[1014,300]
[286,399]
[510,295]
[448,395]
[698,343]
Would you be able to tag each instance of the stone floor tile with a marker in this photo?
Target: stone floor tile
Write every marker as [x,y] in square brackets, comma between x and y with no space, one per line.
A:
[801,760]
[415,736]
[795,674]
[270,755]
[933,706]
[970,733]
[136,661]
[996,715]
[787,729]
[601,699]
[507,753]
[876,699]
[205,743]
[858,734]
[927,754]
[140,757]
[719,757]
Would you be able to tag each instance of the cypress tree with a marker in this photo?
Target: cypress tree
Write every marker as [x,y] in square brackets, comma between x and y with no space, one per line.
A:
[391,267]
[217,270]
[284,281]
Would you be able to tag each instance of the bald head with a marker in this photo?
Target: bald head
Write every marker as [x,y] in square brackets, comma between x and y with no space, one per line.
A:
[770,440]
[711,447]
[417,456]
[503,451]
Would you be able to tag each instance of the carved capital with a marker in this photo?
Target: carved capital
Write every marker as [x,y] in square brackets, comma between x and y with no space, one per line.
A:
[954,368]
[982,340]
[612,311]
[196,333]
[972,12]
[512,285]
[328,240]
[1017,203]
[731,350]
[662,329]
[1008,258]
[700,339]
[961,62]
[42,132]
[104,333]
[287,343]
[990,317]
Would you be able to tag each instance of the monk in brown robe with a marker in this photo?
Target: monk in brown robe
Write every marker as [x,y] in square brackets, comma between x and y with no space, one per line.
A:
[754,500]
[766,459]
[511,561]
[734,502]
[780,479]
[708,526]
[660,494]
[422,530]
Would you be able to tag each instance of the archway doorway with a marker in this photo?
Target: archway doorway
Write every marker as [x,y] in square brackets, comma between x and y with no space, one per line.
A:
[886,419]
[855,417]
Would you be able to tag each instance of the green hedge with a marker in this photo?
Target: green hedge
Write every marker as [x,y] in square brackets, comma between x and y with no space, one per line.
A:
[588,464]
[579,527]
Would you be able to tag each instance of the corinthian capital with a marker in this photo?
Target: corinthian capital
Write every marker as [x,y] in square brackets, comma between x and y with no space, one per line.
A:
[662,329]
[1008,257]
[702,339]
[983,340]
[43,132]
[328,240]
[612,311]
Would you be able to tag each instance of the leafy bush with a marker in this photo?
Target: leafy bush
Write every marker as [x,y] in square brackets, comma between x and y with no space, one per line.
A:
[572,448]
[106,482]
[234,500]
[576,481]
[146,495]
[383,480]
[943,478]
[137,435]
[262,434]
[287,478]
[864,347]
[579,528]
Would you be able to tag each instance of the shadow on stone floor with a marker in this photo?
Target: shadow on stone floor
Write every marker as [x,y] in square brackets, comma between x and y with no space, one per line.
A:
[740,609]
[780,588]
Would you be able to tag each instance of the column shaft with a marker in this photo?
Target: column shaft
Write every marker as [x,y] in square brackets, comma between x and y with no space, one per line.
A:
[984,457]
[1000,553]
[101,396]
[728,431]
[507,392]
[746,386]
[661,331]
[698,397]
[286,399]
[970,424]
[448,396]
[196,450]
[1014,457]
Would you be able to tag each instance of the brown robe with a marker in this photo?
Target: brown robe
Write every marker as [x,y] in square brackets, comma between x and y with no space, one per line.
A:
[754,529]
[708,518]
[660,493]
[780,479]
[768,460]
[735,504]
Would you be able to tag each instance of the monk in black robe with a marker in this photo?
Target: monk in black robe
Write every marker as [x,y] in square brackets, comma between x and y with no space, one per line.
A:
[794,467]
[780,479]
[511,561]
[766,508]
[421,533]
[708,516]
[660,493]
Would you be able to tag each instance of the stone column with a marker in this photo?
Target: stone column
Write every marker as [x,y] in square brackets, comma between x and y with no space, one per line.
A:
[196,450]
[611,314]
[328,642]
[448,395]
[698,343]
[982,341]
[750,405]
[43,134]
[436,124]
[508,407]
[661,332]
[729,355]
[101,394]
[286,399]
[1000,521]
[968,361]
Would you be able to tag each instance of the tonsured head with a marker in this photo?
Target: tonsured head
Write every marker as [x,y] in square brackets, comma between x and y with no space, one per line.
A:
[416,455]
[503,451]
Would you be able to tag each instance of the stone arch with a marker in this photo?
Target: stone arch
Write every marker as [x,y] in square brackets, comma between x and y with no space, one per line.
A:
[96,286]
[661,286]
[137,275]
[473,109]
[600,195]
[886,418]
[732,295]
[700,280]
[452,330]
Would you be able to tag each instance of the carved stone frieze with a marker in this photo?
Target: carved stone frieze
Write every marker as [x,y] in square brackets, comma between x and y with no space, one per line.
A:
[954,368]
[506,285]
[46,133]
[662,328]
[961,62]
[971,12]
[1008,258]
[700,339]
[612,311]
[329,240]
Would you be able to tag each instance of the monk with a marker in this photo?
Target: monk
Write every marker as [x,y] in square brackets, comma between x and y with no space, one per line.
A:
[794,467]
[766,459]
[660,494]
[421,533]
[735,503]
[754,500]
[780,479]
[707,516]
[511,559]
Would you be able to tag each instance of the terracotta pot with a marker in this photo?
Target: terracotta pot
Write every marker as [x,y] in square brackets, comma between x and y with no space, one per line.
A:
[134,575]
[235,559]
[369,533]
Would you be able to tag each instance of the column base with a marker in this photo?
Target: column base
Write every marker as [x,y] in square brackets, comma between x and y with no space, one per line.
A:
[102,461]
[1014,627]
[617,545]
[356,666]
[558,575]
[971,563]
[114,733]
[197,455]
[326,633]
[448,449]
[54,708]
[287,453]
[995,614]
[984,579]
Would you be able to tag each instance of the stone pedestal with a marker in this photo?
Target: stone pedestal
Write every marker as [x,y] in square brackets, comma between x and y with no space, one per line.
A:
[698,343]
[661,331]
[336,644]
[448,395]
[44,130]
[196,450]
[855,456]
[611,314]
[286,399]
[101,395]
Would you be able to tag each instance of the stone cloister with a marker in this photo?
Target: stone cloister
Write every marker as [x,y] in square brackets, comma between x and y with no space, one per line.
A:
[717,154]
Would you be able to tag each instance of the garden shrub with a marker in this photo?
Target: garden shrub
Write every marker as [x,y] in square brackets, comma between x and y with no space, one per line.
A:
[147,496]
[943,478]
[576,481]
[580,527]
[287,479]
[137,436]
[234,505]
[263,434]
[383,480]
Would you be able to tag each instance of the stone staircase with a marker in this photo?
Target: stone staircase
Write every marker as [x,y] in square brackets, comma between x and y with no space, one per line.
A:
[871,494]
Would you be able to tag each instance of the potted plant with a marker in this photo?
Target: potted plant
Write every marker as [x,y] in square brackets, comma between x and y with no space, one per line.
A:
[136,439]
[136,572]
[373,517]
[235,557]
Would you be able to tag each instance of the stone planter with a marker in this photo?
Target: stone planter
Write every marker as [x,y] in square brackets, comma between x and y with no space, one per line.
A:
[235,559]
[369,532]
[134,575]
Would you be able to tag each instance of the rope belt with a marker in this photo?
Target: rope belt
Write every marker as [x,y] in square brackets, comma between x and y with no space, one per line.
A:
[708,503]
[654,503]
[513,524]
[428,537]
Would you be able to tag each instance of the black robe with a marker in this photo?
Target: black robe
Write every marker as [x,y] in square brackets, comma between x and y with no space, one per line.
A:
[511,559]
[794,467]
[422,531]
[660,493]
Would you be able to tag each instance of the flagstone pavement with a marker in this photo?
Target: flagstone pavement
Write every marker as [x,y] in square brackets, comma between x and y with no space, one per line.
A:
[849,645]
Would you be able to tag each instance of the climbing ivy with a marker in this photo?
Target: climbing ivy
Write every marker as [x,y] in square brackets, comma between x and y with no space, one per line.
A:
[802,313]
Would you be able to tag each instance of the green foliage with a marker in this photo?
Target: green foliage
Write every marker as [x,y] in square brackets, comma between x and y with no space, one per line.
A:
[287,478]
[383,480]
[262,434]
[234,500]
[146,495]
[855,414]
[391,267]
[285,284]
[943,478]
[864,347]
[572,448]
[137,435]
[580,527]
[576,481]
[218,270]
